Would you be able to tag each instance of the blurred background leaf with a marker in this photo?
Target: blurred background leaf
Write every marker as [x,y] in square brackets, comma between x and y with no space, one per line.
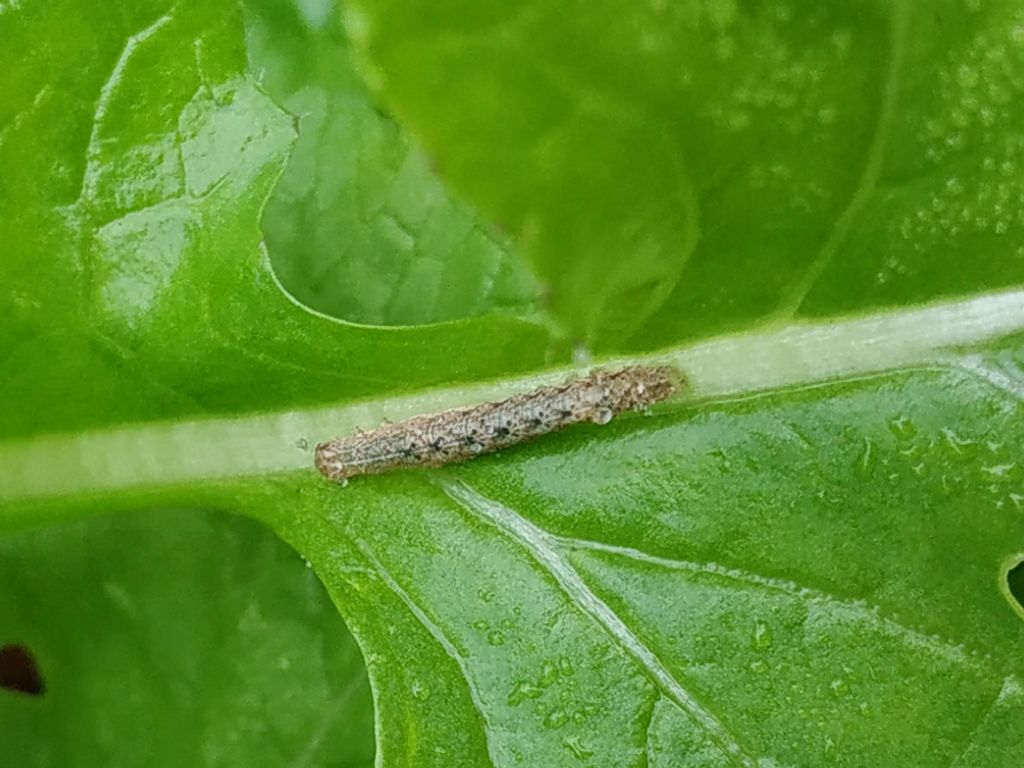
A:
[176,637]
[357,226]
[674,170]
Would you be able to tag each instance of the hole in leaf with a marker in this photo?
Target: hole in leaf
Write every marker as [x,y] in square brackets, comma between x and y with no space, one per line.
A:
[19,671]
[1015,583]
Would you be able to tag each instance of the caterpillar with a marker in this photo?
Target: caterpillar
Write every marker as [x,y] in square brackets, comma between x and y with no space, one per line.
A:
[461,434]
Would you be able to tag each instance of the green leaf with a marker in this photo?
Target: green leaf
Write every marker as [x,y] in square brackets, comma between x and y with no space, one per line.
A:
[357,226]
[148,216]
[809,558]
[723,584]
[726,581]
[177,638]
[675,169]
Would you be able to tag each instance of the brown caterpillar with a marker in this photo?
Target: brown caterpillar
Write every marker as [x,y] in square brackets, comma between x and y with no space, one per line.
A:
[436,439]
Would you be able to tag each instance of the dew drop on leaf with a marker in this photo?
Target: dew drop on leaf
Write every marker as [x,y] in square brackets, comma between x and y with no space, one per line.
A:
[496,637]
[548,673]
[839,687]
[902,427]
[958,447]
[762,637]
[556,718]
[868,458]
[420,691]
[523,690]
[578,749]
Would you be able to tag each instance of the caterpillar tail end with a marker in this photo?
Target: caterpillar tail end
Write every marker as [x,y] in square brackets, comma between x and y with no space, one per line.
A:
[326,461]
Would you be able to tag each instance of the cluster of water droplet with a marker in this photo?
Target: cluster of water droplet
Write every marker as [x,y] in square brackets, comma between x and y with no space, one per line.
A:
[974,126]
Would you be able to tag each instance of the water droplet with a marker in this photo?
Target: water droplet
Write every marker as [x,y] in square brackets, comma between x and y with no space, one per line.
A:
[522,691]
[967,76]
[868,458]
[999,470]
[576,746]
[830,745]
[902,427]
[721,14]
[481,626]
[724,464]
[556,718]
[762,637]
[496,637]
[737,121]
[486,595]
[548,674]
[420,691]
[958,448]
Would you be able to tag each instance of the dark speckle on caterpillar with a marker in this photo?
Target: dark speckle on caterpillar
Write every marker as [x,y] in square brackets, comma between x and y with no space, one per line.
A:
[436,439]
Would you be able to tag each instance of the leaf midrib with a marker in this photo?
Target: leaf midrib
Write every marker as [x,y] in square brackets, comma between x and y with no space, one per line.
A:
[177,453]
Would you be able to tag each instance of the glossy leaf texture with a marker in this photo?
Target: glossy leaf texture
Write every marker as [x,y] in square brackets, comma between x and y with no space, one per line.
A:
[676,169]
[803,578]
[154,288]
[808,559]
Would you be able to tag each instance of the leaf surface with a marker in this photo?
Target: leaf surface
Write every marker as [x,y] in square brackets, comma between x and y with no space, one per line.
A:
[174,638]
[357,226]
[679,169]
[149,214]
[804,560]
[778,579]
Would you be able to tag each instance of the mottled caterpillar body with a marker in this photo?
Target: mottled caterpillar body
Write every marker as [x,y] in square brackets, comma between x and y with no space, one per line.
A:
[436,439]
